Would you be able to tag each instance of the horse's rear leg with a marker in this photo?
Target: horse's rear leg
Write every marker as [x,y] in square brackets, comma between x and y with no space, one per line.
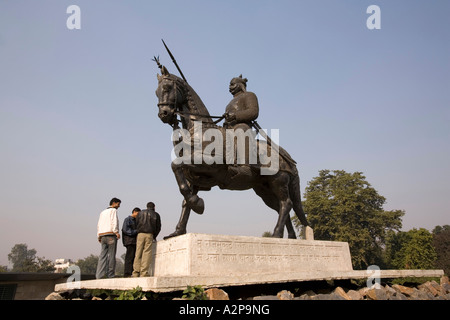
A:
[280,188]
[272,202]
[290,228]
[283,217]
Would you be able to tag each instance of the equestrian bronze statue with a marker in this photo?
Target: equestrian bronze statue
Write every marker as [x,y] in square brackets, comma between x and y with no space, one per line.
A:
[229,156]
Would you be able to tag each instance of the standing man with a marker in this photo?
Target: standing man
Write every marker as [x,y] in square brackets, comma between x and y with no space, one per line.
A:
[148,223]
[129,234]
[107,234]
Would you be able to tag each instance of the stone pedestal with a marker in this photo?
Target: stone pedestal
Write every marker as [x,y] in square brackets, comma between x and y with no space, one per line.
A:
[211,255]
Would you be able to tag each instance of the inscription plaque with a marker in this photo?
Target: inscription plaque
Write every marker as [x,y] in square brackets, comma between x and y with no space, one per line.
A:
[196,254]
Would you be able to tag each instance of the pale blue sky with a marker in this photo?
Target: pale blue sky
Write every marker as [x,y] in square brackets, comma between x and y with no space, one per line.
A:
[79,125]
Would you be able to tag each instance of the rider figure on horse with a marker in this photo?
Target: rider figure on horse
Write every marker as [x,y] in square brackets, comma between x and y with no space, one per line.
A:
[243,108]
[239,114]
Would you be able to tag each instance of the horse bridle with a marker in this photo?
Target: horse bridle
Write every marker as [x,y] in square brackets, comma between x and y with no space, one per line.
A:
[185,114]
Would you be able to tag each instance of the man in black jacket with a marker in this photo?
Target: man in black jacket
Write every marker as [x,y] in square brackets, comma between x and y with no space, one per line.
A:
[148,225]
[129,234]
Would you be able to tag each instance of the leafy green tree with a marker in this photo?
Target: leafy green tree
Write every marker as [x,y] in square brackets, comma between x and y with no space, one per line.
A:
[88,265]
[441,243]
[25,260]
[44,265]
[120,267]
[343,206]
[439,229]
[411,250]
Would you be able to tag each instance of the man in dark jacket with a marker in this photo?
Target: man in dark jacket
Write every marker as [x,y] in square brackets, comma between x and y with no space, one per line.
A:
[129,234]
[148,225]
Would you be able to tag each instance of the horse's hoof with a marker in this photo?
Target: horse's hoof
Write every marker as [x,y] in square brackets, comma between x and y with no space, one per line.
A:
[196,204]
[277,235]
[174,234]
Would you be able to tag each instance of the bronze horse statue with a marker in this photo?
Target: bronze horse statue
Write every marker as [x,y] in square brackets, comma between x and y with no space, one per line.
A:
[279,190]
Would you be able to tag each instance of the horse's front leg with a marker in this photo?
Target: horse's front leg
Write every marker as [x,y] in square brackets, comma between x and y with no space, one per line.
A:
[182,223]
[193,201]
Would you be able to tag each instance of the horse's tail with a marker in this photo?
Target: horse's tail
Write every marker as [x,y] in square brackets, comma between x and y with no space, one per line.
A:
[295,194]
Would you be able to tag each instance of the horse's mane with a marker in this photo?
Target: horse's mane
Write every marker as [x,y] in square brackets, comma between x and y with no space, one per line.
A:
[195,104]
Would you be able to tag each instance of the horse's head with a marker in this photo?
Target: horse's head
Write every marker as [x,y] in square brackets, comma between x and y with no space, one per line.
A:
[170,97]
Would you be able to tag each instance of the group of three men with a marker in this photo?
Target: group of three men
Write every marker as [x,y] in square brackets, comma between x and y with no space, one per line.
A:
[138,232]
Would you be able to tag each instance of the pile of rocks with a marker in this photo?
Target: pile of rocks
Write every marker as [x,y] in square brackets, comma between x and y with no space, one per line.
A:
[430,290]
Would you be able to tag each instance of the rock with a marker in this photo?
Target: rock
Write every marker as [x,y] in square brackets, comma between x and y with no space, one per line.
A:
[445,288]
[310,293]
[404,290]
[335,296]
[307,295]
[398,296]
[444,280]
[436,286]
[340,292]
[321,296]
[69,294]
[377,294]
[430,287]
[285,295]
[401,296]
[325,296]
[54,296]
[96,298]
[216,294]
[354,295]
[363,292]
[371,294]
[86,295]
[390,292]
[420,295]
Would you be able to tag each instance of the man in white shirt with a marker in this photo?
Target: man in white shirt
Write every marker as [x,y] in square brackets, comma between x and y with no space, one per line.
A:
[108,234]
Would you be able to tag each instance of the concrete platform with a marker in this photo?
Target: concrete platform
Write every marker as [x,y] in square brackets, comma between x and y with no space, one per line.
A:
[176,283]
[220,261]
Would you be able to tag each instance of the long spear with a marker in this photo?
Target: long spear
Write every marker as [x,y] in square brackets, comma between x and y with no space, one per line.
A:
[274,146]
[174,61]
